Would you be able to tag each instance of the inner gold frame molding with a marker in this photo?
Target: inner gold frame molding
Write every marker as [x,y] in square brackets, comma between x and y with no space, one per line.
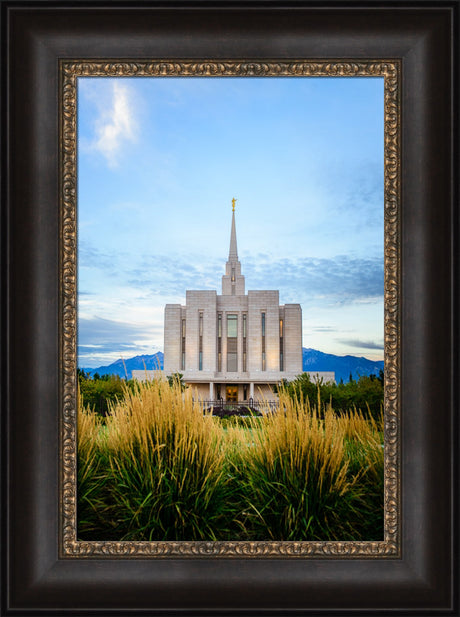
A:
[69,71]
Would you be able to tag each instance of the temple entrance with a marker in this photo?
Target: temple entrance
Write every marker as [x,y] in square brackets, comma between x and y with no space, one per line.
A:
[232,394]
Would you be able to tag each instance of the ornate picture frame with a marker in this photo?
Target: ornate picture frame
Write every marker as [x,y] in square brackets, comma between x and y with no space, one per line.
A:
[70,72]
[47,567]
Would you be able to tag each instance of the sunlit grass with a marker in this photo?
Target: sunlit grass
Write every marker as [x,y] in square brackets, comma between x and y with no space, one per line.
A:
[160,469]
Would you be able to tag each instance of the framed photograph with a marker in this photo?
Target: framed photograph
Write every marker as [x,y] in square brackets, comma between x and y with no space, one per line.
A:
[231,348]
[114,117]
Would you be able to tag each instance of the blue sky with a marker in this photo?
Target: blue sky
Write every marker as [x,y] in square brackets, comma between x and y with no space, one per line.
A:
[159,160]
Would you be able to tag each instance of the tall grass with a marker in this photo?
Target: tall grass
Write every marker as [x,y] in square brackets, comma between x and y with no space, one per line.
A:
[365,454]
[93,511]
[160,469]
[297,479]
[166,466]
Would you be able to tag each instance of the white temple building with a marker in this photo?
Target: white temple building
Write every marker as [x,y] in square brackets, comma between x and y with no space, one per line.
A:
[235,345]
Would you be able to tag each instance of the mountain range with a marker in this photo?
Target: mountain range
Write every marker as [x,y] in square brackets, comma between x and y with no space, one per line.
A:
[343,366]
[312,360]
[124,368]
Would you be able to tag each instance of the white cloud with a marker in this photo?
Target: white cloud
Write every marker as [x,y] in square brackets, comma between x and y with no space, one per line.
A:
[116,125]
[102,340]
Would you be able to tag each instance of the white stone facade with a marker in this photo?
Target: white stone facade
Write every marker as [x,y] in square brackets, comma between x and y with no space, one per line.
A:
[236,345]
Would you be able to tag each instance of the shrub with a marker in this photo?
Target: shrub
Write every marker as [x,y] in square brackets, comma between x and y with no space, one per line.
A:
[165,471]
[160,469]
[365,454]
[99,392]
[93,510]
[365,394]
[296,477]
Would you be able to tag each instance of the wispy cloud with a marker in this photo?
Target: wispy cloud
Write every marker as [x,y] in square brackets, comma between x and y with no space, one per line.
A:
[99,331]
[336,281]
[106,339]
[361,344]
[116,124]
[89,256]
[174,275]
[339,280]
[323,329]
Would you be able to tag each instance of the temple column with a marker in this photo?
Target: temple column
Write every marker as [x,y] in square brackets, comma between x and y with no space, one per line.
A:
[251,390]
[211,391]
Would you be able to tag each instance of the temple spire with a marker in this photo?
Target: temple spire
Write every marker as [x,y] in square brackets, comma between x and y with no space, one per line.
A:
[233,280]
[233,252]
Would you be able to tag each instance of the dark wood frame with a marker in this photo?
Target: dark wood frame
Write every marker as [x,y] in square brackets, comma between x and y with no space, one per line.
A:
[425,37]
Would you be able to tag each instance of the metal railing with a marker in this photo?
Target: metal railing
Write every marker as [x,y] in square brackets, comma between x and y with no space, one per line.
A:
[219,407]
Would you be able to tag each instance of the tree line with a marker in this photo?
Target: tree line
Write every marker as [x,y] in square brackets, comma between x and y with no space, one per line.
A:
[365,393]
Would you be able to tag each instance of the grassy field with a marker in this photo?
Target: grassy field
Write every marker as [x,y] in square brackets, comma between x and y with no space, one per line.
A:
[157,468]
